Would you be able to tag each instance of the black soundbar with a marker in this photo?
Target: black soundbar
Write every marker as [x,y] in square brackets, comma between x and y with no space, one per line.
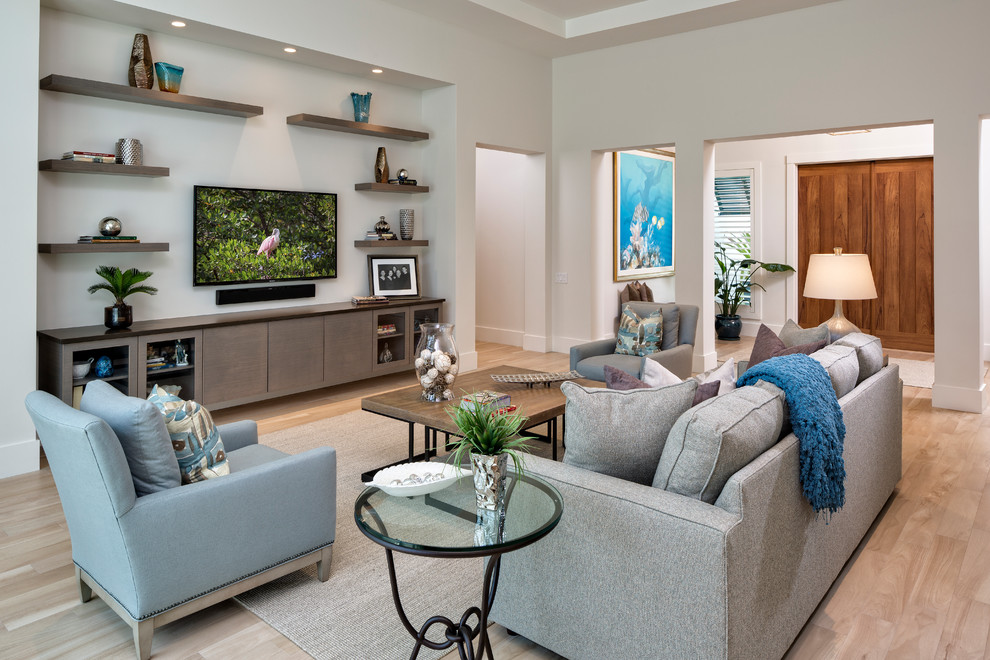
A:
[260,294]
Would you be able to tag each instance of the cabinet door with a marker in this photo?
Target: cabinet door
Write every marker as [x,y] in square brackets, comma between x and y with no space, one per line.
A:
[235,362]
[391,340]
[349,347]
[295,354]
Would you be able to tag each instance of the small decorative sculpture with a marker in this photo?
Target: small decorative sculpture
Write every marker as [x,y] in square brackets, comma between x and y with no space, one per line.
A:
[181,359]
[140,74]
[402,175]
[385,355]
[381,166]
[382,227]
[104,367]
[109,226]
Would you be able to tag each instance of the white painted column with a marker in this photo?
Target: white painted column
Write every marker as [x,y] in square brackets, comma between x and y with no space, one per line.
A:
[19,44]
[958,351]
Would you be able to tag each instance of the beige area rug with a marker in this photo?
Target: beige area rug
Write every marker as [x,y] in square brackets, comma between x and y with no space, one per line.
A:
[918,373]
[352,616]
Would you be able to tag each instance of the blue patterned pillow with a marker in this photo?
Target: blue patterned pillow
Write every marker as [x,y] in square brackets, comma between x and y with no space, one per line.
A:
[195,438]
[639,335]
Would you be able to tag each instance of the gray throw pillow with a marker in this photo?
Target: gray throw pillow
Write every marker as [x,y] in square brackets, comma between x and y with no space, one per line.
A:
[621,433]
[842,366]
[869,352]
[141,430]
[794,335]
[713,441]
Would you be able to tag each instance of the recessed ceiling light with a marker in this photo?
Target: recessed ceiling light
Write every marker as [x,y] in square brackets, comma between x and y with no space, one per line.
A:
[178,24]
[289,49]
[376,70]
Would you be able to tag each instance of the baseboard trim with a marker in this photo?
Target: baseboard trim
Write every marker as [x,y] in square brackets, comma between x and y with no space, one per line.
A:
[564,344]
[20,458]
[468,361]
[959,398]
[702,363]
[535,343]
[499,335]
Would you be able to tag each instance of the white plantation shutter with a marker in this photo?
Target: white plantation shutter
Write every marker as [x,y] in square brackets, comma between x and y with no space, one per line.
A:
[734,213]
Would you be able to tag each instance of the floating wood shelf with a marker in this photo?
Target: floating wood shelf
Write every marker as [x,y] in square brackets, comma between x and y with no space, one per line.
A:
[356,127]
[105,90]
[391,188]
[80,248]
[53,165]
[395,243]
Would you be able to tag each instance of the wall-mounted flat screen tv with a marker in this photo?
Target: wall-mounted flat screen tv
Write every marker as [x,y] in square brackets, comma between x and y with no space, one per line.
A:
[244,235]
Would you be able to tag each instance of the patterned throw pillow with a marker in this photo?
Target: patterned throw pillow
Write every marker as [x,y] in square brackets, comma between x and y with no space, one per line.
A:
[195,438]
[639,335]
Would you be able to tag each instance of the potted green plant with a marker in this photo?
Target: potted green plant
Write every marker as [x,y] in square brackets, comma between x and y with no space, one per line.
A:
[490,436]
[734,282]
[120,284]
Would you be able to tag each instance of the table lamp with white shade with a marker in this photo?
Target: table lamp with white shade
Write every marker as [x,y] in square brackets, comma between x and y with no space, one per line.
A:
[839,277]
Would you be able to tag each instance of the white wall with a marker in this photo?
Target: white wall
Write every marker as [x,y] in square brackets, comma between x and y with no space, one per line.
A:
[801,82]
[500,227]
[19,173]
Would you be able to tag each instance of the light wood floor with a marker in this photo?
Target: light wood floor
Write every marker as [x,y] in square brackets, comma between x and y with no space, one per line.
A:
[919,587]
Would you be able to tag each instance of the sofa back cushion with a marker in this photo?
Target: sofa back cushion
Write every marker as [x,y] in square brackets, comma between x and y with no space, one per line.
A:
[621,433]
[142,434]
[869,352]
[842,366]
[711,442]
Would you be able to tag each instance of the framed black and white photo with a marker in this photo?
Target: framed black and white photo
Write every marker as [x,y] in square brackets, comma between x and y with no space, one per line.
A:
[393,277]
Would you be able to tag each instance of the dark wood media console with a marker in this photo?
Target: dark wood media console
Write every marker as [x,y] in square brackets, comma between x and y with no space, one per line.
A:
[241,357]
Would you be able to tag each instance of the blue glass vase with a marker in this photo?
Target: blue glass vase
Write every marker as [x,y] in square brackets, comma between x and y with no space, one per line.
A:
[362,106]
[169,76]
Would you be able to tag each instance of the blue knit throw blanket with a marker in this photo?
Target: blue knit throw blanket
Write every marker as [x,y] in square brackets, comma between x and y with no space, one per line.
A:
[817,421]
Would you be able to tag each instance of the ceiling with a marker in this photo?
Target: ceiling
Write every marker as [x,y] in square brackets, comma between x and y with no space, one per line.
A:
[563,27]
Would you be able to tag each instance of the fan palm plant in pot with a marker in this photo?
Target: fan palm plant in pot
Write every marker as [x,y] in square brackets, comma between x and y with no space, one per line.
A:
[120,284]
[490,436]
[734,282]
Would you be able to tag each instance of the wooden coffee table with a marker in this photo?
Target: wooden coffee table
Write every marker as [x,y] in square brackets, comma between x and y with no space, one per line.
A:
[542,405]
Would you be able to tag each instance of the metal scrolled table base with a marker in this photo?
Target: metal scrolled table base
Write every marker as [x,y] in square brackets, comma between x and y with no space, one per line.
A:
[462,633]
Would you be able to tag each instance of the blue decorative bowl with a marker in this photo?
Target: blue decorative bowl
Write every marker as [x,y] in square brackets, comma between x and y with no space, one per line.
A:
[104,367]
[169,76]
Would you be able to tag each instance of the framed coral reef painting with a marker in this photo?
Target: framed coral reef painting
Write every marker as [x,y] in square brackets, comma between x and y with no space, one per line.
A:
[643,207]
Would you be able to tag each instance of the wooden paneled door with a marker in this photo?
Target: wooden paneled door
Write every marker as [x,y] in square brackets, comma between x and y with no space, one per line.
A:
[883,209]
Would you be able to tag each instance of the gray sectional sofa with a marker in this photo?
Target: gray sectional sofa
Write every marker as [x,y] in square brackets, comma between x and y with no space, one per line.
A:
[634,571]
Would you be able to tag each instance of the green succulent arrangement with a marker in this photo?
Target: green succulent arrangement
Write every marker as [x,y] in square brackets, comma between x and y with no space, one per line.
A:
[122,283]
[486,431]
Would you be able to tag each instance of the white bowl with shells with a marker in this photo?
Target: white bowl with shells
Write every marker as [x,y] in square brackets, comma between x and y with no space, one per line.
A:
[409,479]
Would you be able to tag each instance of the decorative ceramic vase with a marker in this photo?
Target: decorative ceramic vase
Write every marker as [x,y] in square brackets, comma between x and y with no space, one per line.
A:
[381,166]
[139,73]
[489,526]
[489,479]
[104,367]
[382,227]
[728,326]
[118,316]
[436,361]
[169,76]
[109,226]
[130,151]
[362,106]
[407,222]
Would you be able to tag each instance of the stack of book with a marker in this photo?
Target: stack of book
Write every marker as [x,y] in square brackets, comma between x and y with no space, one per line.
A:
[486,399]
[108,239]
[372,235]
[386,329]
[403,182]
[368,300]
[156,362]
[89,157]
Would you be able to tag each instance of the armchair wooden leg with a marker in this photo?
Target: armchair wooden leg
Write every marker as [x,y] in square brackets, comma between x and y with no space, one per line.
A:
[85,592]
[143,632]
[323,566]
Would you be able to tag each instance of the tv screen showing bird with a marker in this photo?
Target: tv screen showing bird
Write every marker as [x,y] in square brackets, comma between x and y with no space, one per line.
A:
[244,235]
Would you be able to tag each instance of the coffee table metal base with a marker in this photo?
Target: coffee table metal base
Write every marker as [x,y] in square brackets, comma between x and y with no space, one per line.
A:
[462,633]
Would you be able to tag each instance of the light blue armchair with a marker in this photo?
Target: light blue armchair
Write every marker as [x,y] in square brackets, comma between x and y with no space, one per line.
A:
[161,556]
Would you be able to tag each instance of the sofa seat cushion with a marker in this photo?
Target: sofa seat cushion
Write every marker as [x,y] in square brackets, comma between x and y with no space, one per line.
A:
[869,352]
[252,456]
[197,443]
[621,433]
[842,366]
[142,434]
[711,442]
[593,367]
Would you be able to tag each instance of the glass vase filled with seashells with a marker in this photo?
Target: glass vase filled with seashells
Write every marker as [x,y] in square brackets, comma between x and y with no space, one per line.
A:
[436,361]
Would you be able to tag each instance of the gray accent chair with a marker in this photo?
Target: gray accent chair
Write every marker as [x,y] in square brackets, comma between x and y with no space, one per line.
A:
[159,557]
[680,323]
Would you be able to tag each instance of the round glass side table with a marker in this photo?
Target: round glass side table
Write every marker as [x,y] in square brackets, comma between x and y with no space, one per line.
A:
[447,523]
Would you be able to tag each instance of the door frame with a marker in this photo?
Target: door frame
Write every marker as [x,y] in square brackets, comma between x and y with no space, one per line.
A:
[791,292]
